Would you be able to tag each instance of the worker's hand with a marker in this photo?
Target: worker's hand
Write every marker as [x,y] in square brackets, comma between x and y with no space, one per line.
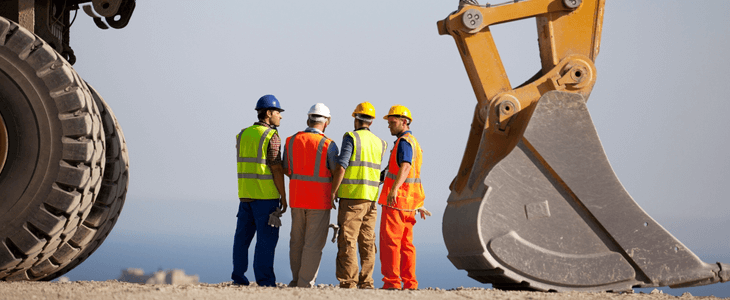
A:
[275,218]
[282,204]
[424,212]
[392,197]
[336,232]
[333,200]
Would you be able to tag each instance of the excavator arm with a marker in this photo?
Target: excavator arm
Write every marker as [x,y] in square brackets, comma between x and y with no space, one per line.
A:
[568,39]
[536,204]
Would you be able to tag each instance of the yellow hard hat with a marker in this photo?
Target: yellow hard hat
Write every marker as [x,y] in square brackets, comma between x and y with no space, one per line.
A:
[365,108]
[399,111]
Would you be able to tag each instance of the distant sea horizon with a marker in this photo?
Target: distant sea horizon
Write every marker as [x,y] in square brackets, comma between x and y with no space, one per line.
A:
[209,257]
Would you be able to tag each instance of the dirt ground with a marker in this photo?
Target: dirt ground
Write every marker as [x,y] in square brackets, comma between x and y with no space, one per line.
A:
[122,290]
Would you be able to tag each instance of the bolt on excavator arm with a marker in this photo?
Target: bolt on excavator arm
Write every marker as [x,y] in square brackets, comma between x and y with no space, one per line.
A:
[536,204]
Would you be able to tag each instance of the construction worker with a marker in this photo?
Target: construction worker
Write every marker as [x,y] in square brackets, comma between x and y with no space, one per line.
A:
[261,193]
[358,172]
[402,197]
[309,160]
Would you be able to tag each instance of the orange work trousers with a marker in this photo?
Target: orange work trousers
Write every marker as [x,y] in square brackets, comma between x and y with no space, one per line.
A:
[397,253]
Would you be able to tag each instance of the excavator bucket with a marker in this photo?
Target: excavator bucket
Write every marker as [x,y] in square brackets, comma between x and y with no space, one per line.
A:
[536,204]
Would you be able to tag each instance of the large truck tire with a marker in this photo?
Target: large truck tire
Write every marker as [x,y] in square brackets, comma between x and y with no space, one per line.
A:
[54,156]
[108,204]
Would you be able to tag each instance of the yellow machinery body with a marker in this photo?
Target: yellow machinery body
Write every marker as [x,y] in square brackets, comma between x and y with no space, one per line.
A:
[535,204]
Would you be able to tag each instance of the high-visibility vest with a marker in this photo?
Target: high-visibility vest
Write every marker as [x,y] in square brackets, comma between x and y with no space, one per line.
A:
[362,176]
[254,176]
[410,195]
[310,181]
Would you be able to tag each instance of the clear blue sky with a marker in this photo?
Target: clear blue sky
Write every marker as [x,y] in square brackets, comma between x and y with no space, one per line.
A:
[183,79]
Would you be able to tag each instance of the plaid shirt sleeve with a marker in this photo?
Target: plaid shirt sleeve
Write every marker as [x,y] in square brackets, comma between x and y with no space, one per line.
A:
[273,155]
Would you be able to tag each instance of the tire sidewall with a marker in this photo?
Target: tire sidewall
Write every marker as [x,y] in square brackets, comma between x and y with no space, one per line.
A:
[34,140]
[53,172]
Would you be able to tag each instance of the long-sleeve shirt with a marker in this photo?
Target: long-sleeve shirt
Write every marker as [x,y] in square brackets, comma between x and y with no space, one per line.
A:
[348,146]
[273,153]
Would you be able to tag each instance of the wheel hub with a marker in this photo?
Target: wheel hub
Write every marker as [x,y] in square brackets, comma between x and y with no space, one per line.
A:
[3,143]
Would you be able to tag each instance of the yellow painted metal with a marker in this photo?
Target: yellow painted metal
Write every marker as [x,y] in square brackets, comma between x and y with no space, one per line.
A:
[569,41]
[3,143]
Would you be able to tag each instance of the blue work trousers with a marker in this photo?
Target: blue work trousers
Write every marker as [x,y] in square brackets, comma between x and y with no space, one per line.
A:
[253,218]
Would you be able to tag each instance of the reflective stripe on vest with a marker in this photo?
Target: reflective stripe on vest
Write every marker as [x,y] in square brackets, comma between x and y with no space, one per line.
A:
[310,184]
[362,176]
[410,195]
[408,180]
[254,176]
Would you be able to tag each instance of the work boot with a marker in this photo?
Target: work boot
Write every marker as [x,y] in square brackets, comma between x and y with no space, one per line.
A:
[347,285]
[366,286]
[238,280]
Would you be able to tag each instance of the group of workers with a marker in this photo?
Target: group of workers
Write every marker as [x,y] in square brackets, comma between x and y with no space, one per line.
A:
[320,177]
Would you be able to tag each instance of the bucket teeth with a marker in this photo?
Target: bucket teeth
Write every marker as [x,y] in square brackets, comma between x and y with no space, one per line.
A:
[724,272]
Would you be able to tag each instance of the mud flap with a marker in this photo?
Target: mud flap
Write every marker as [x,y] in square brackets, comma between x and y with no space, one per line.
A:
[552,215]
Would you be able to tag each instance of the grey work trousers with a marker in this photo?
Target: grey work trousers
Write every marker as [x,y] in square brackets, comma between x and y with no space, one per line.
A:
[308,237]
[357,220]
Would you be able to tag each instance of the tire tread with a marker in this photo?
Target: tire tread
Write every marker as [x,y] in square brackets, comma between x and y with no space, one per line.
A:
[110,200]
[53,224]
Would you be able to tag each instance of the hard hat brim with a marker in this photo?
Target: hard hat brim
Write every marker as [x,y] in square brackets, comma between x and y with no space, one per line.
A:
[267,108]
[354,114]
[399,116]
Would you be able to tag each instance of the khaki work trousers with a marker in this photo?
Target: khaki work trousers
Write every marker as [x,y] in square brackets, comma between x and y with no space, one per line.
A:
[308,237]
[357,219]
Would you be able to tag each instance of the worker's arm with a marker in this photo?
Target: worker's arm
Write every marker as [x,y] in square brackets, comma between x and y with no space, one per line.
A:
[405,168]
[337,175]
[278,172]
[285,164]
[334,167]
[404,156]
[424,212]
[343,160]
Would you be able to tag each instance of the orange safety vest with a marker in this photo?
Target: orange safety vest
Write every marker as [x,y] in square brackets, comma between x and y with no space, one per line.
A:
[310,181]
[410,194]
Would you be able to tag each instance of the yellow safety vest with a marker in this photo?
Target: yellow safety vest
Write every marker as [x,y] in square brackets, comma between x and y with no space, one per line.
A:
[362,176]
[254,176]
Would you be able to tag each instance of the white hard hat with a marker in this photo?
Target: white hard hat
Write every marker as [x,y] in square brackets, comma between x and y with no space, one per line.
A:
[319,109]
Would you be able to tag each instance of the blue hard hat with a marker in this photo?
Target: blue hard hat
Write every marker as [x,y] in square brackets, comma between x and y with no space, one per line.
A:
[268,102]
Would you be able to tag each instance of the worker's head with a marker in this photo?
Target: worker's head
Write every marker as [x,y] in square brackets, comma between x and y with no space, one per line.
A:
[364,115]
[269,110]
[318,116]
[363,121]
[399,119]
